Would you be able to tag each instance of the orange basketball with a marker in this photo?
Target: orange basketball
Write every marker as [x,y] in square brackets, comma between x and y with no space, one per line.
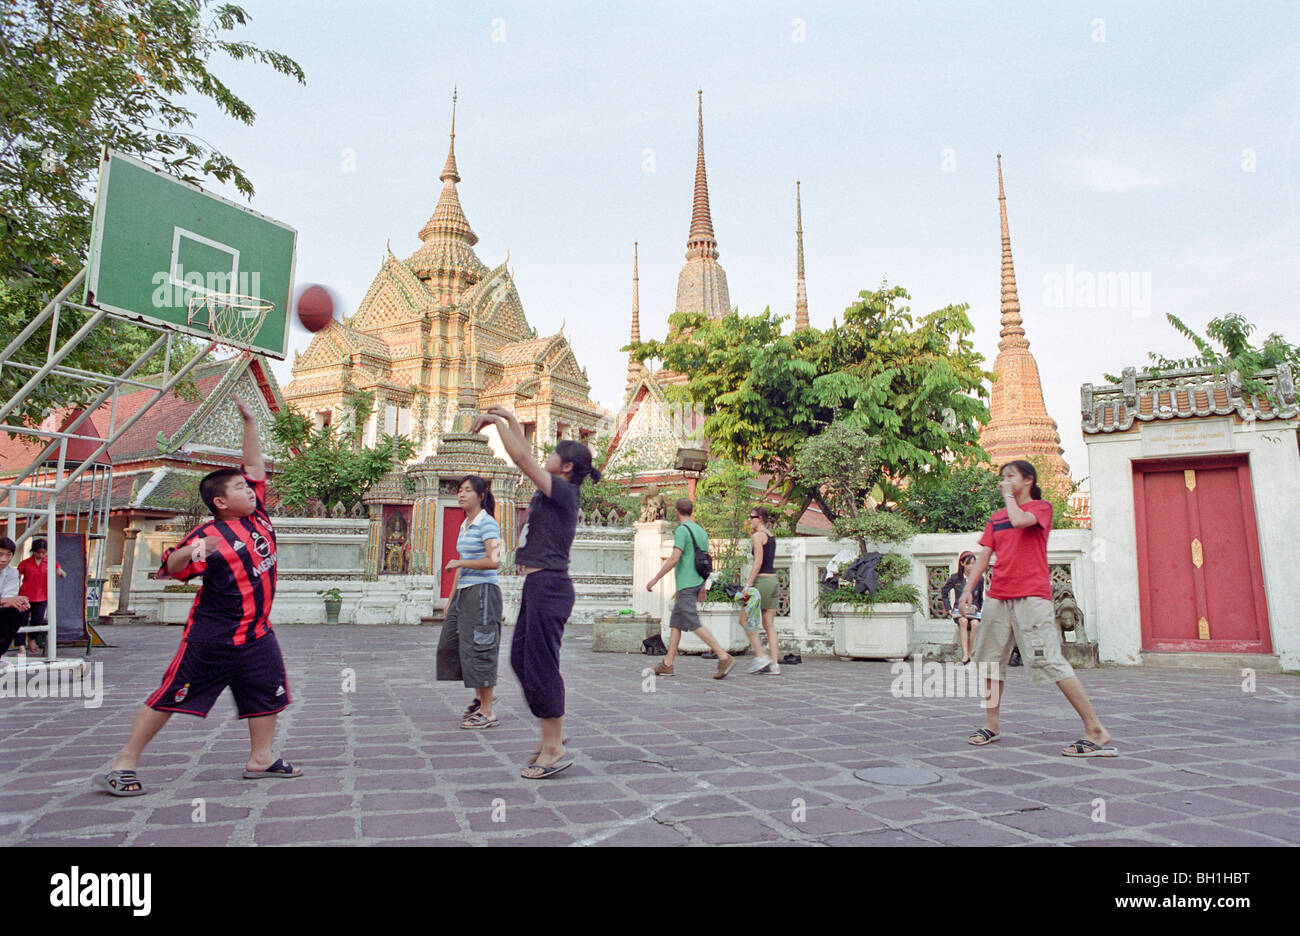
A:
[315,308]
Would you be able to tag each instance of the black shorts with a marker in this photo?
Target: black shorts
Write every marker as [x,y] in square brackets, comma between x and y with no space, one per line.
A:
[200,671]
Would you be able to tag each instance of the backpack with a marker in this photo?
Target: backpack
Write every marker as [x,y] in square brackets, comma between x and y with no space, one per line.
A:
[703,561]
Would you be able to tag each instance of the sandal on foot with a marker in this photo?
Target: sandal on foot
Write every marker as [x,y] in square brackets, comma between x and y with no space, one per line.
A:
[280,770]
[479,720]
[541,772]
[471,708]
[725,668]
[120,783]
[985,736]
[1085,748]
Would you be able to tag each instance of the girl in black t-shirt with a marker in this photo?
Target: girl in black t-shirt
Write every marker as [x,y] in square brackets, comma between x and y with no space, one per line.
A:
[542,556]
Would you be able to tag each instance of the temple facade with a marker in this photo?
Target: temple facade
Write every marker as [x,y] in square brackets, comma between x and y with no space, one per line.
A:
[431,321]
[1019,425]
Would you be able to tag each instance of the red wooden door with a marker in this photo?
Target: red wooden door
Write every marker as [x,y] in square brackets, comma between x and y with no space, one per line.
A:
[1200,582]
[452,518]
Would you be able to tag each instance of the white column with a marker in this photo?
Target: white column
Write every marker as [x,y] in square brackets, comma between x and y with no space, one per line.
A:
[647,556]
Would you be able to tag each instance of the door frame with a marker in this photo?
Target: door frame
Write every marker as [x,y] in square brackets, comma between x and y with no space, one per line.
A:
[1241,462]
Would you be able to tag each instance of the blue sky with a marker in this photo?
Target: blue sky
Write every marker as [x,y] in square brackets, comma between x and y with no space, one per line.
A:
[1157,144]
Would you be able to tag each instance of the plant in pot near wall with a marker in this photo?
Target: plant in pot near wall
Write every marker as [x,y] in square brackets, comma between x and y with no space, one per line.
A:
[841,465]
[333,603]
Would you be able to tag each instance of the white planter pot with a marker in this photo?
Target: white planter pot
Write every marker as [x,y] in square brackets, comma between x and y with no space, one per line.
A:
[882,632]
[723,621]
[174,607]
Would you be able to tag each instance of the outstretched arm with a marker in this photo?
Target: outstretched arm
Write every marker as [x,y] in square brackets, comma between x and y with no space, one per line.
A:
[512,437]
[254,468]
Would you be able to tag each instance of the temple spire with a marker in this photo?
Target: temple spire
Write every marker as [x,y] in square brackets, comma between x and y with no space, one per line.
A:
[448,219]
[701,241]
[1013,332]
[634,367]
[449,171]
[801,290]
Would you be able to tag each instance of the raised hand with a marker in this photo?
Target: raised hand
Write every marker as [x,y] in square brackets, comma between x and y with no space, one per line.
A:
[202,546]
[243,408]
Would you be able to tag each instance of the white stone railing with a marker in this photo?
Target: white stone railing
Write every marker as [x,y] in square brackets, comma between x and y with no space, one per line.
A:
[801,562]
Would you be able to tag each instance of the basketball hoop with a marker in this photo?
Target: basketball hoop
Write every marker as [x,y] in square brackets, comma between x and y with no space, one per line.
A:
[232,320]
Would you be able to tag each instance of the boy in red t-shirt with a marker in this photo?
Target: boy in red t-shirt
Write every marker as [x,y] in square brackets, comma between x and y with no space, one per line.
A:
[1018,609]
[228,639]
[35,589]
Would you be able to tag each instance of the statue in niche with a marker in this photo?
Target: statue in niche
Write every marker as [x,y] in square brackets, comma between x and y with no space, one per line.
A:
[654,506]
[1069,616]
[395,545]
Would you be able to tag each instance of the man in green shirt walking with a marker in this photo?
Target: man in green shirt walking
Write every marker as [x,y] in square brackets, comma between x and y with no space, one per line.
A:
[690,590]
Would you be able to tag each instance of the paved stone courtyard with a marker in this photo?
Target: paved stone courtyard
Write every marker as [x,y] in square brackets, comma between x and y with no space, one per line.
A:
[746,760]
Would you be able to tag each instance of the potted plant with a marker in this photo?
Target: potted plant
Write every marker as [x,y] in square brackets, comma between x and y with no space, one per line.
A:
[333,603]
[840,463]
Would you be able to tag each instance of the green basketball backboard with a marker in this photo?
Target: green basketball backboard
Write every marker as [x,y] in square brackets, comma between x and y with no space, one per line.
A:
[159,243]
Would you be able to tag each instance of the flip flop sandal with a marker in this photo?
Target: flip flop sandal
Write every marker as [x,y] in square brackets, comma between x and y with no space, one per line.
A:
[538,753]
[546,772]
[116,781]
[988,736]
[1085,748]
[280,770]
[471,708]
[479,720]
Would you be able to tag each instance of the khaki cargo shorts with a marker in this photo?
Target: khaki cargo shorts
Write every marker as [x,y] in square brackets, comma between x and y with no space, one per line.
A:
[1030,624]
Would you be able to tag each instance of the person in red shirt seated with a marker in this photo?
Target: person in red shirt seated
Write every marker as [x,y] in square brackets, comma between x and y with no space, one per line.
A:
[1018,609]
[35,587]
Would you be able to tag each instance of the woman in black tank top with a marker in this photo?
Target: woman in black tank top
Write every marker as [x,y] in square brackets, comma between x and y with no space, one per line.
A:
[763,577]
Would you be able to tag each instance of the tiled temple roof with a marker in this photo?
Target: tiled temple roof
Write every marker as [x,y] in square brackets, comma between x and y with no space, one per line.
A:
[1181,394]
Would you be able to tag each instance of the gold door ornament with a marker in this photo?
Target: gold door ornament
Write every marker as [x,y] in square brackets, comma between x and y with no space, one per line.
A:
[1203,629]
[1198,557]
[1189,478]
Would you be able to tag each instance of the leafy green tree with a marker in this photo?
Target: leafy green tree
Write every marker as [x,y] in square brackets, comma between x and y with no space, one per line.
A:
[914,384]
[723,498]
[611,491]
[956,499]
[75,76]
[840,462]
[330,464]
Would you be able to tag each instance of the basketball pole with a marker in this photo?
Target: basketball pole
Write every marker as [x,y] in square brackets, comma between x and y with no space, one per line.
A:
[41,507]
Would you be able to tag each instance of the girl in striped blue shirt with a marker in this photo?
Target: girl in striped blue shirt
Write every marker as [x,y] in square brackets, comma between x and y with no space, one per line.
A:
[469,646]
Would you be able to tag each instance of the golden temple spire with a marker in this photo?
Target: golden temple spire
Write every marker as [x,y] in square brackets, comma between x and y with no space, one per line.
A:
[801,291]
[448,219]
[449,170]
[1013,332]
[634,367]
[701,241]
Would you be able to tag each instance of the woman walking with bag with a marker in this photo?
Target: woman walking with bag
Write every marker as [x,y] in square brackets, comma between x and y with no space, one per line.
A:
[763,577]
[470,643]
[542,556]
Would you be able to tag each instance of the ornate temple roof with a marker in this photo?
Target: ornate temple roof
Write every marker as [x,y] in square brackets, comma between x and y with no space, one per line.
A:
[1180,394]
[702,283]
[1019,425]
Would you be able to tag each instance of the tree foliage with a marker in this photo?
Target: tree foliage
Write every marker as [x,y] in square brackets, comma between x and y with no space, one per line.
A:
[955,499]
[76,76]
[723,498]
[1226,347]
[914,384]
[331,465]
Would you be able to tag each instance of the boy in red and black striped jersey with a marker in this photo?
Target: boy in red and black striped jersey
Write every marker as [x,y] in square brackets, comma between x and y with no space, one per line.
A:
[228,639]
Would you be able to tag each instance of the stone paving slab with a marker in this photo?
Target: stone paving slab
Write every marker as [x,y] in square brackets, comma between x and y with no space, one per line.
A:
[749,760]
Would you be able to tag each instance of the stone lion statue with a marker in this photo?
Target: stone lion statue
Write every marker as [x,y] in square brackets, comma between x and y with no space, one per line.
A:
[1069,617]
[654,506]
